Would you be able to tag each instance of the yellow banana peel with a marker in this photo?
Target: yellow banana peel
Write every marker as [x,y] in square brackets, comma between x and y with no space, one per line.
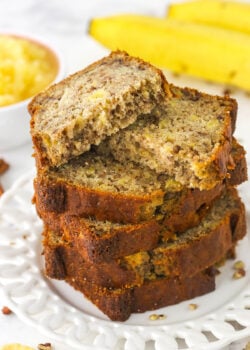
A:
[226,14]
[202,51]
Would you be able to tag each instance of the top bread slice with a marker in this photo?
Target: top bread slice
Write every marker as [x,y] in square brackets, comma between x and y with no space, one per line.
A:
[92,104]
[189,139]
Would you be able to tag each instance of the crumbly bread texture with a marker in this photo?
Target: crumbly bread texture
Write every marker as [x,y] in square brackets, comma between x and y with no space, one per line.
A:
[100,187]
[92,104]
[185,255]
[189,139]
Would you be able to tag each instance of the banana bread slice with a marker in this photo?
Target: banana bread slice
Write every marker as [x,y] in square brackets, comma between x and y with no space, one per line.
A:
[91,104]
[100,187]
[100,241]
[190,139]
[186,255]
[118,304]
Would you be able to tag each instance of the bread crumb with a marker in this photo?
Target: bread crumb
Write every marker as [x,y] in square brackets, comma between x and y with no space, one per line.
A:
[239,273]
[6,310]
[156,317]
[192,306]
[239,265]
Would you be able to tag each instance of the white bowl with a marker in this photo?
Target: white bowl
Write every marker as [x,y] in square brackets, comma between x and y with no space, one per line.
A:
[14,118]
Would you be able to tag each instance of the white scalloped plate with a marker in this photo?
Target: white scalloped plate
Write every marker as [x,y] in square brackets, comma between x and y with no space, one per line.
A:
[60,312]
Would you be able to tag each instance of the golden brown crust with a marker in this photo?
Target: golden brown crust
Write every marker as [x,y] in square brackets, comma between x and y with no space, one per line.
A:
[182,258]
[65,198]
[131,238]
[218,164]
[119,304]
[112,244]
[60,197]
[191,206]
[239,173]
[65,260]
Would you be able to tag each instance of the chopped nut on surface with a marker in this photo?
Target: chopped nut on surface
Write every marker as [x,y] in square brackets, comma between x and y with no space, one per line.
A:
[6,310]
[192,306]
[239,265]
[239,274]
[45,346]
[3,166]
[155,317]
[1,190]
[162,317]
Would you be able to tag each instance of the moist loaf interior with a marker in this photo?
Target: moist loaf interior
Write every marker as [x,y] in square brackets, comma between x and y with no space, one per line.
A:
[88,106]
[189,139]
[102,172]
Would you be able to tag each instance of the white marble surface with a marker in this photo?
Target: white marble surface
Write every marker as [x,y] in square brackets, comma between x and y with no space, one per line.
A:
[66,23]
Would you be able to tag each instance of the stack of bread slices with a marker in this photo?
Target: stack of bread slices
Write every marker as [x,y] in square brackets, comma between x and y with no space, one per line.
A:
[136,185]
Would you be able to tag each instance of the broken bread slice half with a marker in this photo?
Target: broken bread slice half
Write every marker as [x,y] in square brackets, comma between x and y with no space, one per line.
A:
[92,104]
[189,138]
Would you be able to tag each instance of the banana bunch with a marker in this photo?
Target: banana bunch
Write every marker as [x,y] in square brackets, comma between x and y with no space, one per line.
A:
[208,52]
[226,14]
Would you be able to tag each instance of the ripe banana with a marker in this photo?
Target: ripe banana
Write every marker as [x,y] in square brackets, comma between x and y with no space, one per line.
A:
[211,53]
[226,14]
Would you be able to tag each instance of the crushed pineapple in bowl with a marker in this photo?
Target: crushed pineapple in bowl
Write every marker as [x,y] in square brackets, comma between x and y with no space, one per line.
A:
[27,66]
